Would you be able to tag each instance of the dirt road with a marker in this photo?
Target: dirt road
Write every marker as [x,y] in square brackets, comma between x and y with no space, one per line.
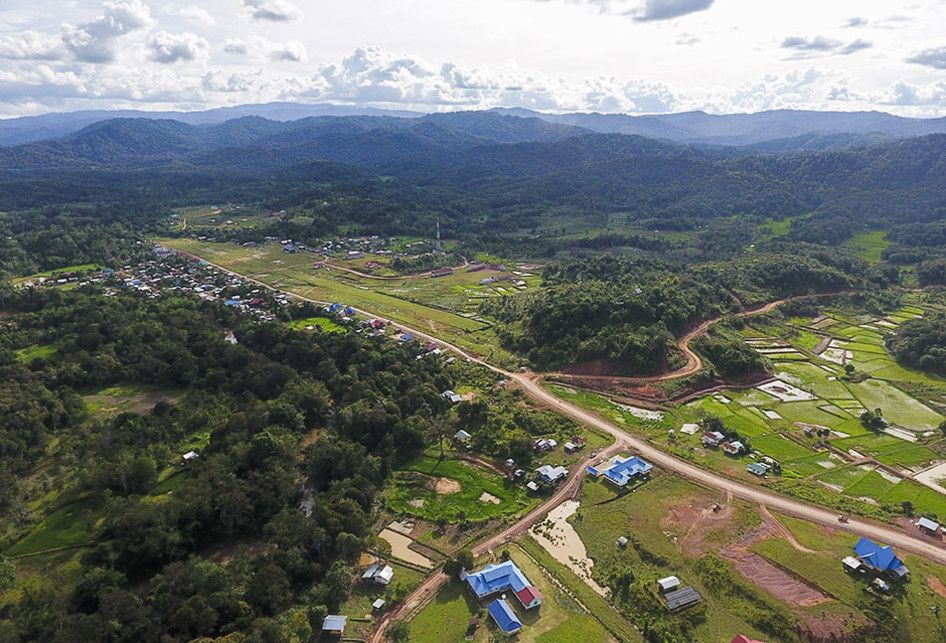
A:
[694,363]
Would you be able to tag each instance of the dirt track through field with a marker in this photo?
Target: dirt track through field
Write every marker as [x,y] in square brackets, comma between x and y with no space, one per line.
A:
[530,384]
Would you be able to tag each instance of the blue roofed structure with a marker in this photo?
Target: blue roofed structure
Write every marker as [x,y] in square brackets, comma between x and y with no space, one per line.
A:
[880,558]
[496,578]
[623,470]
[505,618]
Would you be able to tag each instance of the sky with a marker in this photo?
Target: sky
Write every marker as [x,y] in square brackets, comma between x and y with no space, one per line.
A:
[614,56]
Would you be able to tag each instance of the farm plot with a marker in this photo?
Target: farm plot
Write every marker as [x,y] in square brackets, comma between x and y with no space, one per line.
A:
[898,407]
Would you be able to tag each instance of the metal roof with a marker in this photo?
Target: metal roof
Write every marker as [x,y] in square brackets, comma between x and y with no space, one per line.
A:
[682,598]
[504,616]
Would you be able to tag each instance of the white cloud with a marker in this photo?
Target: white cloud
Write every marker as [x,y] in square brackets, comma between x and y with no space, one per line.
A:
[272,10]
[171,48]
[666,9]
[31,45]
[935,58]
[219,81]
[94,41]
[907,94]
[291,50]
[236,46]
[197,14]
[807,47]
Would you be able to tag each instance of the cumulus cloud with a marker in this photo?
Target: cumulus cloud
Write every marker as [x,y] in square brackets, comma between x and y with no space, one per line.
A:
[935,58]
[220,81]
[31,45]
[806,47]
[855,21]
[666,9]
[272,10]
[168,48]
[236,46]
[907,94]
[291,50]
[94,41]
[372,75]
[197,14]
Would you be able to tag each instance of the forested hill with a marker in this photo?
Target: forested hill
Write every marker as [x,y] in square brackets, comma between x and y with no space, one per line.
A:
[463,165]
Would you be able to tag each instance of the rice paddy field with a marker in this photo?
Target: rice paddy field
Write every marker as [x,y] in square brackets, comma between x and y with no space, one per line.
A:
[446,307]
[873,466]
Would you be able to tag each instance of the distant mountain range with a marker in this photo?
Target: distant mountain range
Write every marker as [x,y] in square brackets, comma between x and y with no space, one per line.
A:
[790,129]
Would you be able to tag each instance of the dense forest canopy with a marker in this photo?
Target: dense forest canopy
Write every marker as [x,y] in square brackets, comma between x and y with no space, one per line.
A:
[921,343]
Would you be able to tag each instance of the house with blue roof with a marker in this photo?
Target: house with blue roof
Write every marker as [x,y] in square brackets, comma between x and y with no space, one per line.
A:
[880,559]
[622,470]
[495,578]
[505,618]
[334,308]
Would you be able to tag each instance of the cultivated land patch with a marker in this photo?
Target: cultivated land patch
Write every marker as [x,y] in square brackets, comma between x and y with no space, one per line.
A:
[560,539]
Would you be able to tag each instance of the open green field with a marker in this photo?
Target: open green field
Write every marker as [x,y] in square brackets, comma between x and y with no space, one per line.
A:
[453,491]
[112,400]
[418,305]
[324,324]
[868,245]
[72,525]
[226,217]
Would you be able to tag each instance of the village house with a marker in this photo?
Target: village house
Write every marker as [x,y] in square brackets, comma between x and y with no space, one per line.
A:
[733,448]
[334,625]
[713,439]
[622,470]
[379,574]
[551,475]
[451,397]
[880,559]
[500,577]
[758,468]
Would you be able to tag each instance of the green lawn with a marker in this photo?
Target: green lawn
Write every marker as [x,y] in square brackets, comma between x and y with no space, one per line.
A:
[416,481]
[324,324]
[446,617]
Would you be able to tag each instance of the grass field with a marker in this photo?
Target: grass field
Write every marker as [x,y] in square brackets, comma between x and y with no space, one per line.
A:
[69,526]
[868,245]
[415,491]
[84,267]
[324,324]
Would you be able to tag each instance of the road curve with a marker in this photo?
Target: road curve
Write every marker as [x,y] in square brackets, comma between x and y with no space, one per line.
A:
[694,363]
[878,531]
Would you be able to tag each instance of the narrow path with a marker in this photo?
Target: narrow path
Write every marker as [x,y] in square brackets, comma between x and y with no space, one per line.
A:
[757,495]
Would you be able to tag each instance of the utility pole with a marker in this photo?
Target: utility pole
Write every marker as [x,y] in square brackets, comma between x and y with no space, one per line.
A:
[438,234]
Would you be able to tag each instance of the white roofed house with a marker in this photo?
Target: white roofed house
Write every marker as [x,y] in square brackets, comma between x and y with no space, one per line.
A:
[380,574]
[551,475]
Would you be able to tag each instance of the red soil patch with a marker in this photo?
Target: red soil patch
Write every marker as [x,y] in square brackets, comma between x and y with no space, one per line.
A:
[936,585]
[768,576]
[834,628]
[594,367]
[697,521]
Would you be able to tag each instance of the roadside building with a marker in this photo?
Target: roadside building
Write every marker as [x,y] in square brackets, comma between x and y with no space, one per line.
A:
[880,559]
[758,468]
[668,584]
[551,475]
[928,526]
[852,565]
[451,396]
[500,577]
[622,470]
